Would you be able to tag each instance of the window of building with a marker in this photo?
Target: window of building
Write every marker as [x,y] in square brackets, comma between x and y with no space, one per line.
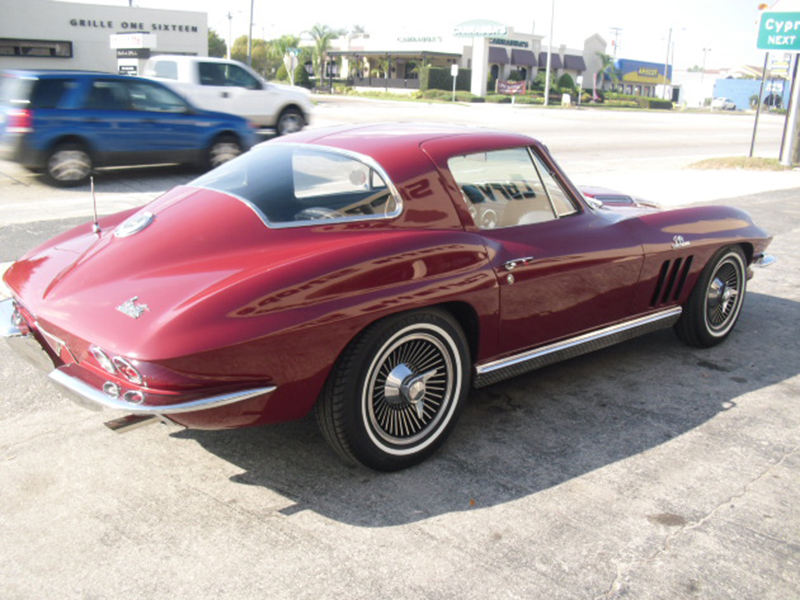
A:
[35,48]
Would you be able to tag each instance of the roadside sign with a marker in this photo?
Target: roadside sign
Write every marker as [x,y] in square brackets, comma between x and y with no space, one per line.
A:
[779,31]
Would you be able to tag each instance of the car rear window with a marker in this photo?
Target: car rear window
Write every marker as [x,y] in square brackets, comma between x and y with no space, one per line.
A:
[48,93]
[292,185]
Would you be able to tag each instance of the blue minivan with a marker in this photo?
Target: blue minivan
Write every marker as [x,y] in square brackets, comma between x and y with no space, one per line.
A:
[67,123]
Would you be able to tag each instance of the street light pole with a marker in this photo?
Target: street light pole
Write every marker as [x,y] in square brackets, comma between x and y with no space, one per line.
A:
[666,63]
[250,38]
[549,53]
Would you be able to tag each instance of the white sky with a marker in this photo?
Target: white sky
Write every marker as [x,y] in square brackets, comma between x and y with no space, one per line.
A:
[727,27]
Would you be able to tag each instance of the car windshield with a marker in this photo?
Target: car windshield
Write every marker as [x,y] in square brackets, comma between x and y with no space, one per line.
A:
[299,185]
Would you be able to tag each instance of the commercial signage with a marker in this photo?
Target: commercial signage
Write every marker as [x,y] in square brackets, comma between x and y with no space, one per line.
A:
[128,70]
[133,53]
[481,28]
[510,88]
[513,43]
[779,31]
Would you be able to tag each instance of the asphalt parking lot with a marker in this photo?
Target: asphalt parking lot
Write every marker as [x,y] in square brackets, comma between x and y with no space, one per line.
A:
[648,470]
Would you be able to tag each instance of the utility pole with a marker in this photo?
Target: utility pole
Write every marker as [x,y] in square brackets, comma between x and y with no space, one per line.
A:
[666,63]
[615,31]
[549,53]
[230,34]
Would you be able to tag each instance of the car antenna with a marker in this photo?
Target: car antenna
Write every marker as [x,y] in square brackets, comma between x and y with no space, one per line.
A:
[95,224]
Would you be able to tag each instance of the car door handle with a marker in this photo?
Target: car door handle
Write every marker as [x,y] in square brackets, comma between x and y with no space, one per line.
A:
[510,265]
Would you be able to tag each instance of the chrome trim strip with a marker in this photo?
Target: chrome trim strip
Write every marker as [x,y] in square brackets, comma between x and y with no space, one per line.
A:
[73,385]
[540,357]
[765,260]
[363,158]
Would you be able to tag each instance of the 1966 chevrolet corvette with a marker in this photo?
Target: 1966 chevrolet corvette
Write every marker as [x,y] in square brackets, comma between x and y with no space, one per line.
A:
[372,273]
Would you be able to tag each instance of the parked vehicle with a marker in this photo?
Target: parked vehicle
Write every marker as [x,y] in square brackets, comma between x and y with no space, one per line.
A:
[372,273]
[723,104]
[67,123]
[230,86]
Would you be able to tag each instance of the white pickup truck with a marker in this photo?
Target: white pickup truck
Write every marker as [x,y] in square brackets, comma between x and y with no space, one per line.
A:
[229,86]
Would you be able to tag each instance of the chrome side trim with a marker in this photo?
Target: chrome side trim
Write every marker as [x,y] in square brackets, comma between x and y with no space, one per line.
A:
[84,392]
[498,370]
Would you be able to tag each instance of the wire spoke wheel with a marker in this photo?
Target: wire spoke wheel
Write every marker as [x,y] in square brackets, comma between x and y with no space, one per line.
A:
[715,303]
[723,297]
[397,390]
[410,389]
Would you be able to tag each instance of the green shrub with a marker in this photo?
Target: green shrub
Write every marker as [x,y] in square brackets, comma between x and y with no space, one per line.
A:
[438,78]
[566,83]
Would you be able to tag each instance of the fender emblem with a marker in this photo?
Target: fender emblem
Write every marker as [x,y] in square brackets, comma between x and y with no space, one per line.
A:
[133,310]
[679,242]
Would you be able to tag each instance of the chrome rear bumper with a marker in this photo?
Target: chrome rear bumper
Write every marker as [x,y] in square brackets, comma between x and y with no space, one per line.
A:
[67,379]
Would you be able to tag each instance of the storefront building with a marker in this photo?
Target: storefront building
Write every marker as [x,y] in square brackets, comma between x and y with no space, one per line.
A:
[393,63]
[639,78]
[41,34]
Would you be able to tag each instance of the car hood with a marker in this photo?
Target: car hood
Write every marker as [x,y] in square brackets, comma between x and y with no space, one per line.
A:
[152,294]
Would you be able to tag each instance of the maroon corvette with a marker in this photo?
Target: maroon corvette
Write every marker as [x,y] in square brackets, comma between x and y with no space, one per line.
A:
[372,273]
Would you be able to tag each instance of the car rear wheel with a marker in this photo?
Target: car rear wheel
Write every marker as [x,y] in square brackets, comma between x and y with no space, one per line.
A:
[290,121]
[396,392]
[714,305]
[69,165]
[222,149]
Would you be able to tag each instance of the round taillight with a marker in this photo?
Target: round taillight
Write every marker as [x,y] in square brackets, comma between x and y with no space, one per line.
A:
[128,371]
[103,359]
[133,397]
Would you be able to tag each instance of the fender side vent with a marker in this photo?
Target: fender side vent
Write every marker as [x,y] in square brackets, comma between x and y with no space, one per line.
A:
[671,281]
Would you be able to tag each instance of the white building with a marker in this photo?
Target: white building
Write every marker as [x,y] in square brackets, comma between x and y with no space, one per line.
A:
[42,34]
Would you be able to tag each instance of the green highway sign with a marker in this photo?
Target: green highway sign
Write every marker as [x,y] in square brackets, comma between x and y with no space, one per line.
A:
[779,31]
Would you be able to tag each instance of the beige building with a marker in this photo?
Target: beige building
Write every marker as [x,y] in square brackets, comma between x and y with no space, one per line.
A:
[42,34]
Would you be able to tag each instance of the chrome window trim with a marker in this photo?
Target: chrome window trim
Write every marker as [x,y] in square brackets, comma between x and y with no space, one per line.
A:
[363,158]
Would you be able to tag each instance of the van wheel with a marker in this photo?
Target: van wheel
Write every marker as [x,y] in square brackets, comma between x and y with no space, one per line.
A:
[290,121]
[68,165]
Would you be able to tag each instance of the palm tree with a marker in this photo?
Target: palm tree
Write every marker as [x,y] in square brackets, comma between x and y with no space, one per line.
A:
[608,69]
[322,36]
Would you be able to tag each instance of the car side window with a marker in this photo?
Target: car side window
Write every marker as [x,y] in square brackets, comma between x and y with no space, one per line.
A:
[146,96]
[502,188]
[222,74]
[560,199]
[167,69]
[107,94]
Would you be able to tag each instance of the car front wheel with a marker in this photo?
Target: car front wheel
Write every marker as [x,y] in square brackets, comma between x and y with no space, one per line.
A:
[716,301]
[68,165]
[396,392]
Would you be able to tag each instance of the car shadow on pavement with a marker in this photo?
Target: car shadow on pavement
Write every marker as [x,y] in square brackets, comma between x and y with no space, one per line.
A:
[528,434]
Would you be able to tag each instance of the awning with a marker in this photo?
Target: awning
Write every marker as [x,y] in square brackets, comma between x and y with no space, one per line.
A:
[555,61]
[574,63]
[498,56]
[523,58]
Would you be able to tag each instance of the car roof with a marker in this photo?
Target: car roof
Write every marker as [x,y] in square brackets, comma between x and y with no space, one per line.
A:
[47,73]
[404,149]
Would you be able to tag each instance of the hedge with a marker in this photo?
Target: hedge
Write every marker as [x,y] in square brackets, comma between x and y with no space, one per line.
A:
[437,78]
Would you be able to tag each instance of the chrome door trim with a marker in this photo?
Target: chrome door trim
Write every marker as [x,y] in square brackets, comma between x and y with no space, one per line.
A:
[530,360]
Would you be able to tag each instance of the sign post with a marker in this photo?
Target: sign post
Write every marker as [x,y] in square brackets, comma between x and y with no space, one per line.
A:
[454,74]
[781,31]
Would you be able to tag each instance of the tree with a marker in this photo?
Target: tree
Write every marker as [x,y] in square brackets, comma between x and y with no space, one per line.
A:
[261,60]
[216,45]
[322,36]
[608,70]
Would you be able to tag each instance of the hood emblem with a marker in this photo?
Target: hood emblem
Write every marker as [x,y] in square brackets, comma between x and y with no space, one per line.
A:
[679,242]
[133,310]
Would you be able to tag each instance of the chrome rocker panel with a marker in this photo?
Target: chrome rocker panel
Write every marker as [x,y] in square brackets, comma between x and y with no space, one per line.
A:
[498,370]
